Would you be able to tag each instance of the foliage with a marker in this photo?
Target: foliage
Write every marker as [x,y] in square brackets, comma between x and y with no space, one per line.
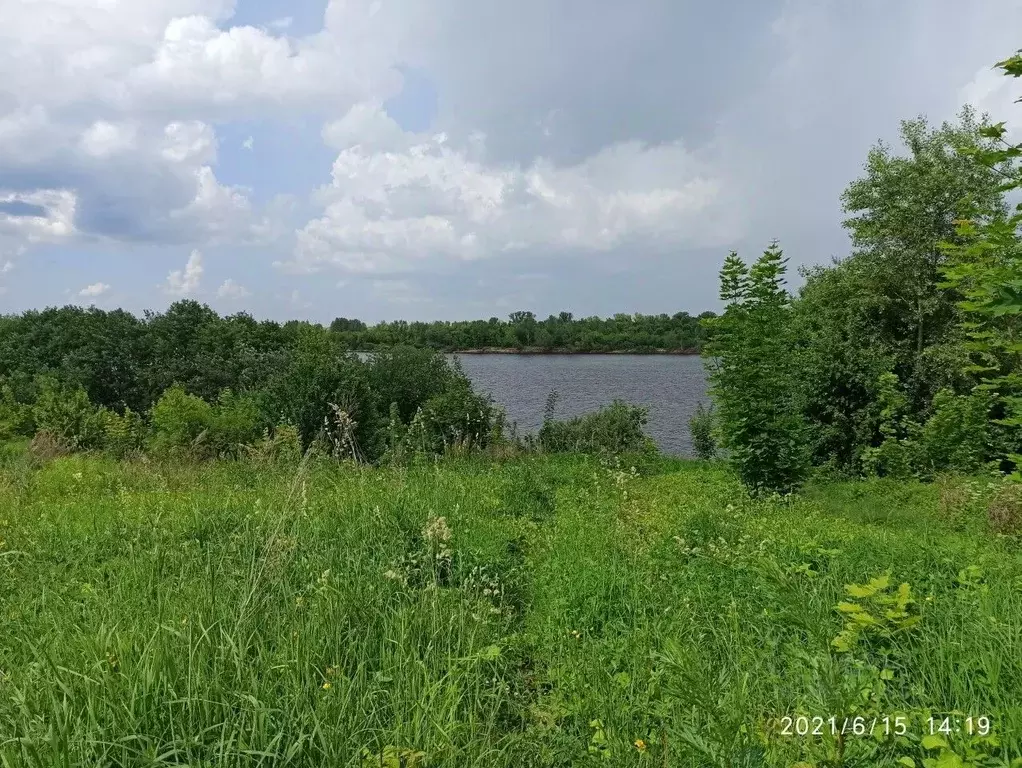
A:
[900,213]
[409,377]
[701,426]
[876,610]
[899,453]
[236,421]
[752,375]
[957,436]
[181,422]
[314,376]
[123,433]
[524,331]
[985,269]
[66,412]
[615,428]
[15,416]
[246,614]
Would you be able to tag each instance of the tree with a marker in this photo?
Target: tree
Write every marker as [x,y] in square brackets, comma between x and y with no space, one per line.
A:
[985,269]
[899,214]
[753,373]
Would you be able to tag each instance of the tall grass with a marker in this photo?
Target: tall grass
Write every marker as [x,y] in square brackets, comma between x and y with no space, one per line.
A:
[578,613]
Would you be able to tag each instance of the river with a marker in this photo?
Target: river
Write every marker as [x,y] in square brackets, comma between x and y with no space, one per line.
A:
[671,386]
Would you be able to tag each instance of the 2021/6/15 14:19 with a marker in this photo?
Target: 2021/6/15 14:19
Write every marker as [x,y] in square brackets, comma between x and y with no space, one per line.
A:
[887,725]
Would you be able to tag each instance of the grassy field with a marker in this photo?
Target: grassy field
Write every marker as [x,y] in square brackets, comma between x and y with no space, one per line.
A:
[539,612]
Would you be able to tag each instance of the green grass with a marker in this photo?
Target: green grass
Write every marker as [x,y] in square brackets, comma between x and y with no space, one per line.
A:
[235,615]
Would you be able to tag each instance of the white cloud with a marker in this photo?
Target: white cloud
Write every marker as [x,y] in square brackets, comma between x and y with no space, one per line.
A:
[44,215]
[186,283]
[118,97]
[231,290]
[6,267]
[248,143]
[284,23]
[397,199]
[94,290]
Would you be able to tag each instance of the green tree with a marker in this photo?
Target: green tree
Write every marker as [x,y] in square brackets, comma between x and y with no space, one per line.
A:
[900,212]
[752,375]
[985,269]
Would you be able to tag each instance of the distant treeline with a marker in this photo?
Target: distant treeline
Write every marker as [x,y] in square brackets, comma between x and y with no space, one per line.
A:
[680,332]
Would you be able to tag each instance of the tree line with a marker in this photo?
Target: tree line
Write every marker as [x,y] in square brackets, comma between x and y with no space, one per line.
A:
[191,381]
[903,359]
[639,333]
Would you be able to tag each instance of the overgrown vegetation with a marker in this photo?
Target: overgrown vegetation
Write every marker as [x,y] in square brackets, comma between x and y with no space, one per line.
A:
[197,385]
[903,359]
[547,611]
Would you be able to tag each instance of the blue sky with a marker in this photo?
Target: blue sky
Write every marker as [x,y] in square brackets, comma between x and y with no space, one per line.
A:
[452,159]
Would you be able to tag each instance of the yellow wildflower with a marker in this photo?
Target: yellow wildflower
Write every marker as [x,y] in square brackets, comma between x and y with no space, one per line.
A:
[640,745]
[327,686]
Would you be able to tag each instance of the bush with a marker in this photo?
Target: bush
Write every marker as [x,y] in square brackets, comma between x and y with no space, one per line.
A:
[409,377]
[899,454]
[236,421]
[15,416]
[123,434]
[957,435]
[459,417]
[282,444]
[180,422]
[314,376]
[68,416]
[615,428]
[701,426]
[1005,509]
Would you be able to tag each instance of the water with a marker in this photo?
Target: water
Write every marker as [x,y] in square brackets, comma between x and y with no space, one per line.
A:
[671,386]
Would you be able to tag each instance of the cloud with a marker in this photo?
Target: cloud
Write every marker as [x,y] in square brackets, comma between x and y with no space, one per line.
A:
[186,283]
[231,290]
[113,104]
[397,200]
[6,267]
[43,215]
[629,138]
[94,290]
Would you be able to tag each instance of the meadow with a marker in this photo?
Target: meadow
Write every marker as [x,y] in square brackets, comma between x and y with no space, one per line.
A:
[540,611]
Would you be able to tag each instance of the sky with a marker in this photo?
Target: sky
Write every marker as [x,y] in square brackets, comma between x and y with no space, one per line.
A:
[455,159]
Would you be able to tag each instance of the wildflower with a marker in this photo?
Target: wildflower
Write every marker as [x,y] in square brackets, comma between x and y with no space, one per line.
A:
[327,686]
[436,529]
[640,745]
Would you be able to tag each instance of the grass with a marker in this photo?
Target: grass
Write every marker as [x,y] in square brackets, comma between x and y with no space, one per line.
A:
[566,612]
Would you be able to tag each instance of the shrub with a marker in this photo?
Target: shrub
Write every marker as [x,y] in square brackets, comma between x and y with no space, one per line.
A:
[67,414]
[282,444]
[180,422]
[1005,508]
[236,421]
[899,454]
[15,416]
[957,435]
[615,428]
[123,434]
[315,375]
[460,417]
[46,446]
[701,428]
[409,377]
